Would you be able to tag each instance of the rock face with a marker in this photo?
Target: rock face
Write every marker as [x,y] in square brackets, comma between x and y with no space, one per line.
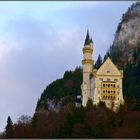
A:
[126,44]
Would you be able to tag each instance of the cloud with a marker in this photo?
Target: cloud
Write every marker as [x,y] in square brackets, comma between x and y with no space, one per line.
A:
[34,55]
[101,18]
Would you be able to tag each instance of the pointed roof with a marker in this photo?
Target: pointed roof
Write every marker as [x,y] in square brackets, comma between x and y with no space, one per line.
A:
[91,40]
[87,40]
[108,68]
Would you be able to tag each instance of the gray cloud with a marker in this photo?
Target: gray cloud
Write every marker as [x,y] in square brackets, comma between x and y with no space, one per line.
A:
[38,56]
[101,18]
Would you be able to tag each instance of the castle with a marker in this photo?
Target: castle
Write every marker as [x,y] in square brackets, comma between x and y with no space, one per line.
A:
[104,84]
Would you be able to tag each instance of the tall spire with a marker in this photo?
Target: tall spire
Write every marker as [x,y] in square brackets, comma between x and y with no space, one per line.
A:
[91,41]
[87,40]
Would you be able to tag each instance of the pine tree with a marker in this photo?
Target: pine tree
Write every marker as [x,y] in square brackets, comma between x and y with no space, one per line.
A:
[9,128]
[34,121]
[89,104]
[98,62]
[106,55]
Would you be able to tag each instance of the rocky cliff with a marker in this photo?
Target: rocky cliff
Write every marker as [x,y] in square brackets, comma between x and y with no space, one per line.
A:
[126,45]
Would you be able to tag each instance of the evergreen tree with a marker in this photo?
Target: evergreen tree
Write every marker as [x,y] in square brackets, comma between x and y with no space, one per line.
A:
[9,128]
[106,56]
[101,104]
[34,121]
[89,104]
[98,62]
[121,114]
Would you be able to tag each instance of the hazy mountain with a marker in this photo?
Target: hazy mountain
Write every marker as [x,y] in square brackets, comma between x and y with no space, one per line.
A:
[126,46]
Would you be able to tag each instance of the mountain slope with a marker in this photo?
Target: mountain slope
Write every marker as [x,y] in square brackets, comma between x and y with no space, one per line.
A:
[125,51]
[126,46]
[69,86]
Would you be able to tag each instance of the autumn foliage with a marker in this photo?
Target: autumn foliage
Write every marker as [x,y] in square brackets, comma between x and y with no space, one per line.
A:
[79,122]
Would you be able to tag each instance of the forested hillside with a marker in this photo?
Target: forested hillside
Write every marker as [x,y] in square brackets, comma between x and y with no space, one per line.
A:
[64,89]
[73,122]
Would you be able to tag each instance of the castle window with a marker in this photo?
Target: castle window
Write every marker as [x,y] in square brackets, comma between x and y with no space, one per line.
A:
[103,85]
[103,91]
[115,80]
[108,79]
[118,86]
[101,79]
[108,71]
[109,91]
[114,92]
[114,85]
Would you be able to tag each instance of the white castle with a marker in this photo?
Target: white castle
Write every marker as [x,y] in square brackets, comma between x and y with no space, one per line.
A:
[104,84]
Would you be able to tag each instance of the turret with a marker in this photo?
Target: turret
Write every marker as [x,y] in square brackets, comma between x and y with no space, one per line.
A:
[87,68]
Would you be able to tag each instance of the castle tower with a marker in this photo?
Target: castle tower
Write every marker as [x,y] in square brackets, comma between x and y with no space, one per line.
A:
[87,68]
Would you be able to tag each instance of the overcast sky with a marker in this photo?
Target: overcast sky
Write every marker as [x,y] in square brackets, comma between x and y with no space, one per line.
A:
[39,41]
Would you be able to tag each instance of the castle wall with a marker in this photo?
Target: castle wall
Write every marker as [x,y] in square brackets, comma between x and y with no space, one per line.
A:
[113,95]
